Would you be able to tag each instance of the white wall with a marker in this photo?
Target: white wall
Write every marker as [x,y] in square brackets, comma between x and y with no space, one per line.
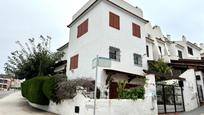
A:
[65,50]
[190,90]
[150,45]
[156,33]
[174,51]
[196,52]
[148,106]
[200,82]
[100,37]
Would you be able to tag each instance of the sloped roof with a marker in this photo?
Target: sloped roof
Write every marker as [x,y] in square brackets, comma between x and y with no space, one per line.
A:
[127,8]
[63,47]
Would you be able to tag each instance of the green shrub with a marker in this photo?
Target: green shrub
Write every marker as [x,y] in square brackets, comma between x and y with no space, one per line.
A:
[35,93]
[32,90]
[121,88]
[133,93]
[24,88]
[49,87]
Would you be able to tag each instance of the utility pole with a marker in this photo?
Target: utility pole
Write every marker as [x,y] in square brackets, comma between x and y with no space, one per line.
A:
[95,90]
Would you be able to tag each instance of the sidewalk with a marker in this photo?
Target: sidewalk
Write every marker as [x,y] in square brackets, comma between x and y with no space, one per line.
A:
[198,111]
[15,104]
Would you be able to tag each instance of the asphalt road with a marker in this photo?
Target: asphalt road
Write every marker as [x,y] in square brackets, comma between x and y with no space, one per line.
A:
[5,93]
[198,111]
[15,104]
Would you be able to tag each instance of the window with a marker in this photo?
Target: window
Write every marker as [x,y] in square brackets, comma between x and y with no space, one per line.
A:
[160,49]
[114,53]
[180,55]
[114,20]
[197,77]
[147,50]
[190,50]
[82,28]
[137,59]
[77,109]
[136,30]
[74,62]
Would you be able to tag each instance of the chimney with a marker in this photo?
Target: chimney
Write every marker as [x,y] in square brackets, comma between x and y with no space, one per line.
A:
[196,44]
[183,38]
[168,37]
[202,45]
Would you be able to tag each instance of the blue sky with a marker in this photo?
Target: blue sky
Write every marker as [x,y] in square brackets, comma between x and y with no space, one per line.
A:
[23,19]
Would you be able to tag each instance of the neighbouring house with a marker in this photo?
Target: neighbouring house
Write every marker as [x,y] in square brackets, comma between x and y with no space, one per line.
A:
[185,60]
[202,52]
[5,82]
[116,31]
[61,65]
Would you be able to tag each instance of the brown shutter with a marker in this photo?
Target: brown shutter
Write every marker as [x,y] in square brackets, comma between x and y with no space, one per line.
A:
[86,26]
[111,19]
[114,20]
[74,62]
[82,29]
[117,22]
[136,30]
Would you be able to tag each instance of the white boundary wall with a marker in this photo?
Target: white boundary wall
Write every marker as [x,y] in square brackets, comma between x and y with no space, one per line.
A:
[148,106]
[190,90]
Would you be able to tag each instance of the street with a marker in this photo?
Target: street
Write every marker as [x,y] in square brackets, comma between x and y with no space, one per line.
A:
[15,104]
[5,93]
[198,111]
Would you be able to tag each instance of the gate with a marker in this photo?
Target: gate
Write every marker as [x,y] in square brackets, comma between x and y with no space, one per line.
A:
[200,93]
[170,99]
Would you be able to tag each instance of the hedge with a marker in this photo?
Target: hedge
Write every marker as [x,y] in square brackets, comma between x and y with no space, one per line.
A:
[40,90]
[49,88]
[32,90]
[133,93]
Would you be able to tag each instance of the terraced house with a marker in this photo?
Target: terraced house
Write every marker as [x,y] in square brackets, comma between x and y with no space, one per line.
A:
[116,32]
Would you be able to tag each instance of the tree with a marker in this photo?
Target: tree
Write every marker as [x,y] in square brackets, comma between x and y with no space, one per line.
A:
[160,69]
[33,59]
[160,66]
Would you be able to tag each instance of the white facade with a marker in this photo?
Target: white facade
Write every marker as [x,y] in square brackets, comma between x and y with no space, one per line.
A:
[100,37]
[164,48]
[196,49]
[190,90]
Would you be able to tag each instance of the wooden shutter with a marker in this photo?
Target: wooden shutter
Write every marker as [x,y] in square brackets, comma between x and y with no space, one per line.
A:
[82,28]
[117,22]
[111,19]
[85,26]
[74,62]
[114,20]
[136,30]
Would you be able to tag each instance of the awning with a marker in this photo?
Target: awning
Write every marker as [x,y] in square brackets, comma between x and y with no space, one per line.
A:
[163,76]
[188,63]
[131,76]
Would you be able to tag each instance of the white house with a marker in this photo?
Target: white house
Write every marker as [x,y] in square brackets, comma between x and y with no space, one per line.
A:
[61,65]
[116,30]
[112,29]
